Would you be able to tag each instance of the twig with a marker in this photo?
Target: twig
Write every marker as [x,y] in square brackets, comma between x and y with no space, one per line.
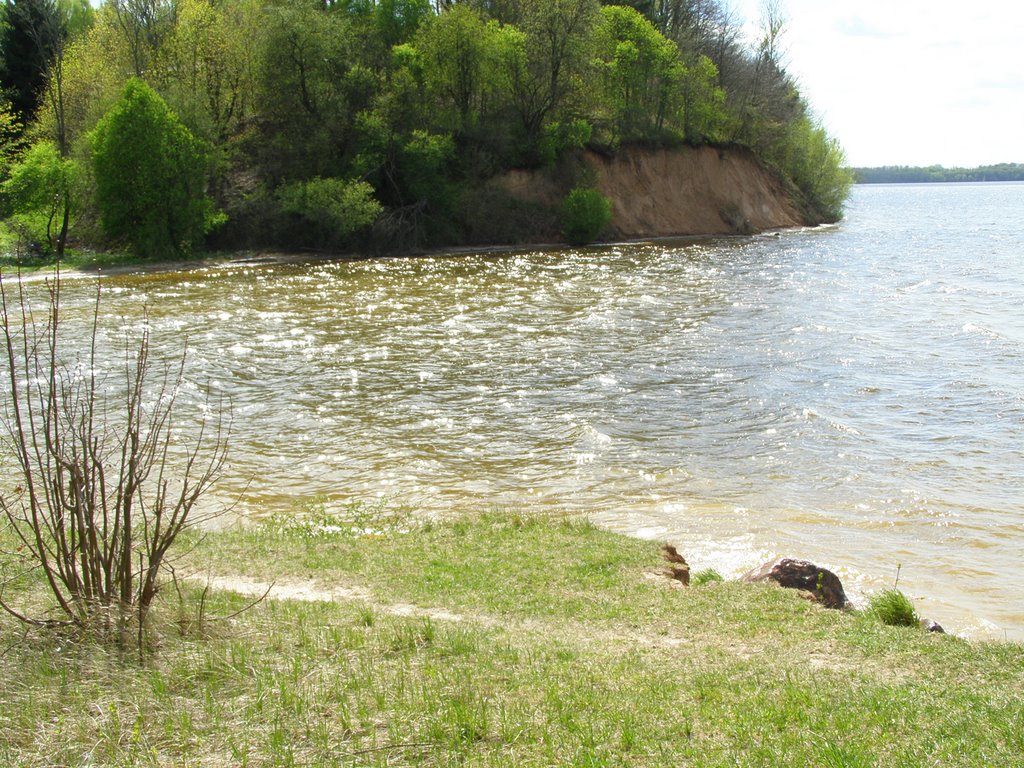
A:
[253,604]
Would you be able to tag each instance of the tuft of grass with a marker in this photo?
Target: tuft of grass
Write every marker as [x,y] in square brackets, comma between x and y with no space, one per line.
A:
[705,576]
[893,608]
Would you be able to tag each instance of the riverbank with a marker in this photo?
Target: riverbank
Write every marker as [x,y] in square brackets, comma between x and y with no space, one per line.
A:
[501,639]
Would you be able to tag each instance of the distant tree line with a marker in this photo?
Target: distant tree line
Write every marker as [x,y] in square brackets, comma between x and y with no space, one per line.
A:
[902,174]
[167,125]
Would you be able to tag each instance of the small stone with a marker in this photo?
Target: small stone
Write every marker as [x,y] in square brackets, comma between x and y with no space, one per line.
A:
[932,626]
[823,585]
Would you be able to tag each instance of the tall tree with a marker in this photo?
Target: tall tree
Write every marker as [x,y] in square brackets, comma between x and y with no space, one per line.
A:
[558,36]
[31,34]
[150,175]
[41,31]
[462,56]
[642,71]
[145,25]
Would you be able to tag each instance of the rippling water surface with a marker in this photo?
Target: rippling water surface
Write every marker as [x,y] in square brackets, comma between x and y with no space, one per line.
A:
[853,395]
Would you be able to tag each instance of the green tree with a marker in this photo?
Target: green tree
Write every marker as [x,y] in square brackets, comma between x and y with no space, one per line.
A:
[144,25]
[209,65]
[10,137]
[642,74]
[398,20]
[311,85]
[461,55]
[29,36]
[150,176]
[817,165]
[556,49]
[39,194]
[703,102]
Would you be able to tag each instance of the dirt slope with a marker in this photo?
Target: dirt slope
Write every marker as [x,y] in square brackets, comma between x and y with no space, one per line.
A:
[667,192]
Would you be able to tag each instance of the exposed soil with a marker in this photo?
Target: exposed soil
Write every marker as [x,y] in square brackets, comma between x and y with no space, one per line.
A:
[672,192]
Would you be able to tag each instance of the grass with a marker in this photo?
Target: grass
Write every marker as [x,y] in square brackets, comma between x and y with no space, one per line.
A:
[572,649]
[893,608]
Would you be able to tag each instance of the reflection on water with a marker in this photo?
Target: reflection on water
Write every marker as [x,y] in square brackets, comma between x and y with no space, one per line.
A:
[853,394]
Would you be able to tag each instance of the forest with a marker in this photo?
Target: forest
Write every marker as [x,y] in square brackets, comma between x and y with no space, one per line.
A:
[902,174]
[166,127]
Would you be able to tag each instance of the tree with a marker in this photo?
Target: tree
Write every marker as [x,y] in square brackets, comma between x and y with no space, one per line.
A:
[642,72]
[311,85]
[461,56]
[703,102]
[39,193]
[398,20]
[556,52]
[334,208]
[38,38]
[145,25]
[10,137]
[28,39]
[150,175]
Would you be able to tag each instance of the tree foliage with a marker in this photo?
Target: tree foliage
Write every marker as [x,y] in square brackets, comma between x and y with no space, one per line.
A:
[336,208]
[586,213]
[642,71]
[38,191]
[150,176]
[29,36]
[424,101]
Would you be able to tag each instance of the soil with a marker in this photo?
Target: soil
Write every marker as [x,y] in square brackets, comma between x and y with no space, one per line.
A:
[685,191]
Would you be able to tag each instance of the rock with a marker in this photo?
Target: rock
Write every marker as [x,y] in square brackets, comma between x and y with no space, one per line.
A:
[932,626]
[679,569]
[823,585]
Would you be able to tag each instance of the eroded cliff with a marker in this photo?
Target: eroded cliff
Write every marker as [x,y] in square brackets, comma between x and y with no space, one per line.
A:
[666,192]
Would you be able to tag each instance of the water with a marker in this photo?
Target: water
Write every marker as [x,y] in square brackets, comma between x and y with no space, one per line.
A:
[853,395]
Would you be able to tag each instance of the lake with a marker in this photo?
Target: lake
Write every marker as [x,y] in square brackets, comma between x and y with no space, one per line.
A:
[852,394]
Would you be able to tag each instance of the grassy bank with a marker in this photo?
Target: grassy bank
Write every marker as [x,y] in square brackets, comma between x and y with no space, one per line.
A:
[499,640]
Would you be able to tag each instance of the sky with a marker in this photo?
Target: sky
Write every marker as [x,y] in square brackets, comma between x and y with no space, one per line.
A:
[909,82]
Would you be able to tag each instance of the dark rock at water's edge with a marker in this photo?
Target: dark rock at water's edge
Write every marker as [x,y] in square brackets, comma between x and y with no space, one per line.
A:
[821,583]
[932,626]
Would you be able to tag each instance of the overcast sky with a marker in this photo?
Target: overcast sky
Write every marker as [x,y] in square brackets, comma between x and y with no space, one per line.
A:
[910,82]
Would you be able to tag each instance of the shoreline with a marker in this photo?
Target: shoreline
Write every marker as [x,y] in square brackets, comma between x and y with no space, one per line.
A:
[273,257]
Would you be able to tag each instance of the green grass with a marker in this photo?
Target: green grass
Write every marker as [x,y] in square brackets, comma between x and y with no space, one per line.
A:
[893,608]
[572,650]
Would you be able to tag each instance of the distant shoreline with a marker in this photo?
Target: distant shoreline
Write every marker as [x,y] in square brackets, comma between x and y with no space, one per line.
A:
[899,174]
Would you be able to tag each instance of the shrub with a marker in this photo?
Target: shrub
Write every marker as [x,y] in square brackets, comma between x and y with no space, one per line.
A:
[333,208]
[104,482]
[892,607]
[586,213]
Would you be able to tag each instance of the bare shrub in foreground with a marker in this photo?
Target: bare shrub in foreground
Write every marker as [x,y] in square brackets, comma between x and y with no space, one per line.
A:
[102,490]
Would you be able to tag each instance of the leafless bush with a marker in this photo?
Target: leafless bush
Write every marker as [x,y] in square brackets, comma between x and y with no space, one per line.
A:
[103,490]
